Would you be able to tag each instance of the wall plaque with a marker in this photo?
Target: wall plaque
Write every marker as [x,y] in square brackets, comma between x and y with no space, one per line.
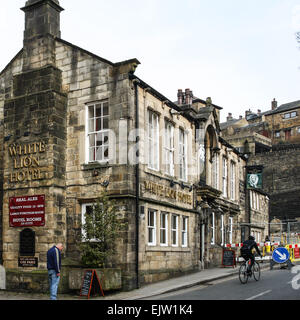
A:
[27,211]
[28,262]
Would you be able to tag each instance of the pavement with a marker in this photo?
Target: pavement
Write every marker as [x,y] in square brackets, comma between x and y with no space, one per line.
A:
[147,291]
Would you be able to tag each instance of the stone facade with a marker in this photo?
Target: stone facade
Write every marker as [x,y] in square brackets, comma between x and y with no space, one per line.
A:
[271,139]
[281,125]
[33,156]
[281,180]
[284,123]
[74,124]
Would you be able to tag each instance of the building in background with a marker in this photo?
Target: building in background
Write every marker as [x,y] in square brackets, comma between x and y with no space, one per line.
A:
[257,132]
[271,139]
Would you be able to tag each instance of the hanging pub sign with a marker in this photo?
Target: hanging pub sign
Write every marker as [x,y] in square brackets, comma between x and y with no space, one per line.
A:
[254,181]
[254,177]
[27,211]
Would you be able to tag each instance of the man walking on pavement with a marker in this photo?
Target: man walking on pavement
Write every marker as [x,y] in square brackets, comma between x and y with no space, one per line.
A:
[54,266]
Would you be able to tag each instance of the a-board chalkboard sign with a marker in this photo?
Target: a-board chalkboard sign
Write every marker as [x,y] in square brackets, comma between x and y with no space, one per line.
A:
[228,258]
[90,284]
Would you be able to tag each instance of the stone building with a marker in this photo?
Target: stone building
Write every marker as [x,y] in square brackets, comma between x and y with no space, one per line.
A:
[281,180]
[74,124]
[284,122]
[280,124]
[271,139]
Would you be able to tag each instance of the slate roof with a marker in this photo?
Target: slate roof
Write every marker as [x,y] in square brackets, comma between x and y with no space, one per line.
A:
[285,107]
[227,124]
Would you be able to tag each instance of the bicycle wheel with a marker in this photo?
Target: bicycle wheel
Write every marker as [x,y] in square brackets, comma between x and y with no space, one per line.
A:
[256,271]
[243,273]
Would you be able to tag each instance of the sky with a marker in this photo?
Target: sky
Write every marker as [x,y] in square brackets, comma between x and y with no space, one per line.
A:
[242,54]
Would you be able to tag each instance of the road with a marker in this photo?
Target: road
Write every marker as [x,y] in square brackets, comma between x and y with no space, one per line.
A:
[277,284]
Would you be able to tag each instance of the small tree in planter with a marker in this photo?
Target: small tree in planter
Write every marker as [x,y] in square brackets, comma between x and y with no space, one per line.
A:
[101,228]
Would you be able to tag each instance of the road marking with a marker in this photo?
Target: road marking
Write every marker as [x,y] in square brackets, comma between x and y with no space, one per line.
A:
[292,281]
[259,295]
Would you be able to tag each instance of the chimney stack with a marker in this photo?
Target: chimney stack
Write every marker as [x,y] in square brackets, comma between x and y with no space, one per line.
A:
[191,97]
[42,18]
[180,97]
[42,26]
[247,112]
[274,104]
[187,96]
[229,118]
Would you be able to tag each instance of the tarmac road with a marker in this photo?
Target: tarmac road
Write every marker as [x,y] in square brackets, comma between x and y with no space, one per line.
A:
[278,284]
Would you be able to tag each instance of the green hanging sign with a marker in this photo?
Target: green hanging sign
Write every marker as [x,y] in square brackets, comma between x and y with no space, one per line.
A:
[254,181]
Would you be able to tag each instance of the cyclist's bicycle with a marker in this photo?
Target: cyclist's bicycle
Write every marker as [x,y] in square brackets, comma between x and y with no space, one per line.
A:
[244,274]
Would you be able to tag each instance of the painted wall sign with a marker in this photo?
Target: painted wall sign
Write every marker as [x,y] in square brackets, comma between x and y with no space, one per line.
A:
[27,211]
[163,191]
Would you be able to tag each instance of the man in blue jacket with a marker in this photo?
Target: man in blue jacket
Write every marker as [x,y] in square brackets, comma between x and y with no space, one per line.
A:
[54,266]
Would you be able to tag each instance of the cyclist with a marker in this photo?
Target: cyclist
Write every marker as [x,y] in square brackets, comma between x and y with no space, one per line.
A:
[246,251]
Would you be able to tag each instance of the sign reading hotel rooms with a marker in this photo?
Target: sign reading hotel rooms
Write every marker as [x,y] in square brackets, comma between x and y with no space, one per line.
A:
[26,162]
[27,211]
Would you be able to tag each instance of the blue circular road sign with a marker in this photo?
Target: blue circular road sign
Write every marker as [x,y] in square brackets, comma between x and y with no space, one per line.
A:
[280,255]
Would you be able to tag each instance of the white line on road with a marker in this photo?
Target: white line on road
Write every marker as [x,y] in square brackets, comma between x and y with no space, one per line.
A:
[259,295]
[292,281]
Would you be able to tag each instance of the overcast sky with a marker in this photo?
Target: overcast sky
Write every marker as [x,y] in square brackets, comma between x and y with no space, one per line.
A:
[241,53]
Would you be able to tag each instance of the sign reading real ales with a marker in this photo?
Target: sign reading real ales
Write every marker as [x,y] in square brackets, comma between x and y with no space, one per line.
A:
[27,211]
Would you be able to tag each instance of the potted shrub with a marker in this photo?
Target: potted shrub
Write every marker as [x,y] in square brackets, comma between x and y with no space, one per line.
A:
[101,227]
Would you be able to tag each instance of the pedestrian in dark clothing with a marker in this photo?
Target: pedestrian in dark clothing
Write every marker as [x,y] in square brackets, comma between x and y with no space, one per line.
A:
[54,267]
[246,251]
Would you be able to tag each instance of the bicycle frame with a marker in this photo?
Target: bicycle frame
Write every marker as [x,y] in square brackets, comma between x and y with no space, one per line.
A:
[245,267]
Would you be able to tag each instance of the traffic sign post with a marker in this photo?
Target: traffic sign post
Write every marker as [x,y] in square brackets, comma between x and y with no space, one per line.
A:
[280,255]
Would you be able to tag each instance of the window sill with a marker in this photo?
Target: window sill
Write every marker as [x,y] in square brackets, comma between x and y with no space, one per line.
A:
[167,249]
[151,245]
[95,165]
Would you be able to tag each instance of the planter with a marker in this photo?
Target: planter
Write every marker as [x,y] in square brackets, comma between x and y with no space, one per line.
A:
[27,281]
[110,278]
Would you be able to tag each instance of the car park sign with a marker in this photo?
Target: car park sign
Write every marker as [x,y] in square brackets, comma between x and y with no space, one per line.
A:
[280,255]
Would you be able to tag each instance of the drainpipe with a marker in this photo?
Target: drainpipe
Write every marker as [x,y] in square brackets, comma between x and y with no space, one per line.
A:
[137,183]
[247,200]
